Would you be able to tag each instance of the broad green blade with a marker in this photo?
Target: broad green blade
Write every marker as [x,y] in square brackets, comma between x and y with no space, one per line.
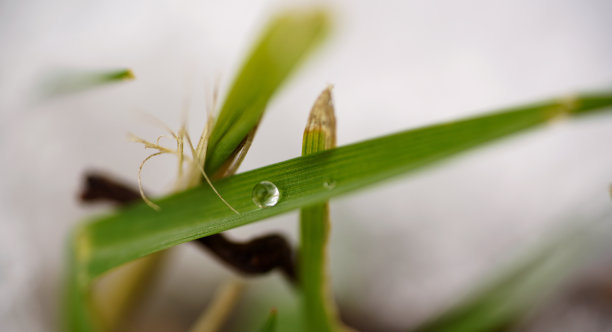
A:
[136,231]
[270,324]
[503,302]
[317,298]
[283,45]
[67,81]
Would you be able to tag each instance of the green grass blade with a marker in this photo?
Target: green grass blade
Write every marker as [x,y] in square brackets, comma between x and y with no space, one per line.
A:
[67,81]
[317,298]
[502,303]
[138,230]
[283,45]
[77,306]
[270,324]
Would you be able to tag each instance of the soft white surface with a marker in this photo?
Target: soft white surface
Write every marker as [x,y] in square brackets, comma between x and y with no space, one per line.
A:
[395,65]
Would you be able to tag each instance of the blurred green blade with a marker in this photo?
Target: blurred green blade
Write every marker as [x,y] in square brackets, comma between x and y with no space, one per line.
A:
[503,302]
[270,324]
[67,81]
[78,314]
[138,230]
[283,45]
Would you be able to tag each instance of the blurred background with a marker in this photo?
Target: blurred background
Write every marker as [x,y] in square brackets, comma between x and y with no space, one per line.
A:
[401,251]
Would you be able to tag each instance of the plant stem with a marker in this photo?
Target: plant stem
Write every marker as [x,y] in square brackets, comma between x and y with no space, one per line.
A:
[317,299]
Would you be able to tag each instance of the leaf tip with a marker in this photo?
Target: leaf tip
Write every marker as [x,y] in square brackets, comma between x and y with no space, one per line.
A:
[128,75]
[121,75]
[322,121]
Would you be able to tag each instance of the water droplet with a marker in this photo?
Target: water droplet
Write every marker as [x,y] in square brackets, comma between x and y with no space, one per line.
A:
[329,184]
[265,194]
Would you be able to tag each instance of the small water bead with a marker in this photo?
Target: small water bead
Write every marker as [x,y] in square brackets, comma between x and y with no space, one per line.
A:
[329,184]
[265,194]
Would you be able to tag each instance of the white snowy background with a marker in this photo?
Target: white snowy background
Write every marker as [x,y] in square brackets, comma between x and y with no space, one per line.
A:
[399,251]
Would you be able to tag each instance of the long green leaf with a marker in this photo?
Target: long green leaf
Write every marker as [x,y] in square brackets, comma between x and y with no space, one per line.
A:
[137,231]
[284,44]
